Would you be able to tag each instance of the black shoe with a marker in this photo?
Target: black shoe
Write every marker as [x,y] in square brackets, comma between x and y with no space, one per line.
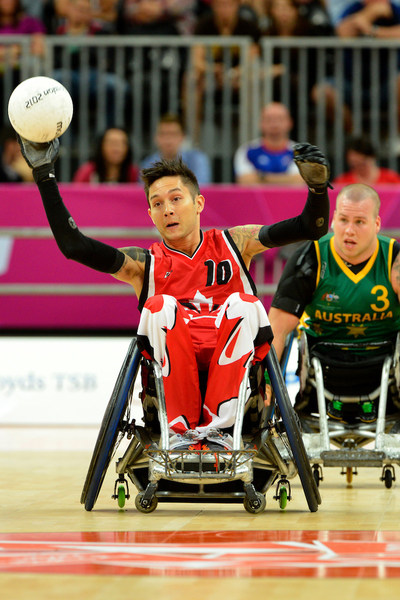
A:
[367,411]
[334,410]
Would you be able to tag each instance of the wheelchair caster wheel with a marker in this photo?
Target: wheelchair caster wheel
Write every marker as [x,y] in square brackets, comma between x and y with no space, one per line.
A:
[145,506]
[317,474]
[121,496]
[283,498]
[388,476]
[349,475]
[388,479]
[283,493]
[255,505]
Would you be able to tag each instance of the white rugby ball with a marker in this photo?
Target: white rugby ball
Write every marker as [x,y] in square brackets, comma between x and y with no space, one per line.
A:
[40,109]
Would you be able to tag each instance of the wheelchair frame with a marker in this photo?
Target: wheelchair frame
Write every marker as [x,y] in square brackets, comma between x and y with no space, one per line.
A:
[274,454]
[320,433]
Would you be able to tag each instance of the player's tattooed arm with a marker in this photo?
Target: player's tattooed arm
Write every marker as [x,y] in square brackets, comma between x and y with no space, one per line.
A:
[247,240]
[137,254]
[132,270]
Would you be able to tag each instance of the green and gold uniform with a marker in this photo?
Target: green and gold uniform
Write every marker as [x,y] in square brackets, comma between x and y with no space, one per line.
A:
[349,307]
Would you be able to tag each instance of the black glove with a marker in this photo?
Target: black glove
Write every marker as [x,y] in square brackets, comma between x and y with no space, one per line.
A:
[40,157]
[313,166]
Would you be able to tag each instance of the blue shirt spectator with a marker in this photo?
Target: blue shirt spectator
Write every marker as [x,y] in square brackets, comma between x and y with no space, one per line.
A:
[268,159]
[170,143]
[338,9]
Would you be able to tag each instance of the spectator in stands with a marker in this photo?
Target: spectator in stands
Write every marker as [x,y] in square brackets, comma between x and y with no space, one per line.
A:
[156,17]
[315,12]
[378,19]
[14,21]
[223,20]
[80,21]
[34,8]
[287,21]
[112,162]
[104,13]
[170,143]
[164,63]
[12,163]
[268,159]
[54,14]
[363,167]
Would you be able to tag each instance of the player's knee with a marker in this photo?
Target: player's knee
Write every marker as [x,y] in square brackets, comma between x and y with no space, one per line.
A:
[243,305]
[159,302]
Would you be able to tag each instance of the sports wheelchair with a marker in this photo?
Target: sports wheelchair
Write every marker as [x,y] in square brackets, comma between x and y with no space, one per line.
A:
[267,446]
[334,371]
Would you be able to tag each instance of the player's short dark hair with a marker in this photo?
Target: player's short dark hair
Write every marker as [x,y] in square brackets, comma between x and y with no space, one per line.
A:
[170,168]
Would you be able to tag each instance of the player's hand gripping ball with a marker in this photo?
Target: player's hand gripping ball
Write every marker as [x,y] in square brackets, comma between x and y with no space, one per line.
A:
[312,164]
[40,109]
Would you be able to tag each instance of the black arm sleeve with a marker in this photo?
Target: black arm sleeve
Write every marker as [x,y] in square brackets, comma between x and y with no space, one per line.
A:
[72,243]
[297,283]
[311,224]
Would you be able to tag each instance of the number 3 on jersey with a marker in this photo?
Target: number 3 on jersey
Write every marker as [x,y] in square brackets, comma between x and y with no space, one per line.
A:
[381,293]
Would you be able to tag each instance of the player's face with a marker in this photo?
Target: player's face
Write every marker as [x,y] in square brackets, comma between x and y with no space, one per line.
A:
[355,226]
[175,212]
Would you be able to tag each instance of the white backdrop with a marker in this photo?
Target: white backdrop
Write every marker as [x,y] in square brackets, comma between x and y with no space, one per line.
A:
[58,380]
[54,390]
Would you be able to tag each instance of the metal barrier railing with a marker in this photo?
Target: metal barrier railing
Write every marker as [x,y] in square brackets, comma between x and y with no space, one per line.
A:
[131,81]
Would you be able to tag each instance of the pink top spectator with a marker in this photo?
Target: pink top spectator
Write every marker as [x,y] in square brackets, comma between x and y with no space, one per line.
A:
[87,174]
[26,25]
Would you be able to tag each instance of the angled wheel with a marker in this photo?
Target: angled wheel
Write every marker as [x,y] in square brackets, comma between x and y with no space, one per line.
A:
[255,506]
[293,432]
[145,507]
[111,426]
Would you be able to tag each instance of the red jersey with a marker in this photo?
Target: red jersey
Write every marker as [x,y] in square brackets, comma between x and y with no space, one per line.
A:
[215,271]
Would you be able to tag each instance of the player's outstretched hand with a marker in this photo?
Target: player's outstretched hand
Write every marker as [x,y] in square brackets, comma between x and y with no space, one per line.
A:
[40,157]
[313,166]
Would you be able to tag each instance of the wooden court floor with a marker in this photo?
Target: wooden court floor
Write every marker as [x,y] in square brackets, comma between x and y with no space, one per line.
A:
[40,491]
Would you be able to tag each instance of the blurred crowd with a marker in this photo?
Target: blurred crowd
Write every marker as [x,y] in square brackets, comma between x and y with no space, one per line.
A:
[256,19]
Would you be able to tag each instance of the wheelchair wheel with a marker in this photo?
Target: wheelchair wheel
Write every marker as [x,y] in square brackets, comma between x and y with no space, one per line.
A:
[257,506]
[145,508]
[293,432]
[111,427]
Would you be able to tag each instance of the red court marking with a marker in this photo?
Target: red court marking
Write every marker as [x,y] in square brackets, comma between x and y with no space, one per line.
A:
[318,554]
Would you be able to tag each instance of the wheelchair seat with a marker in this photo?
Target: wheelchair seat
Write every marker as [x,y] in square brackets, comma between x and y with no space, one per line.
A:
[351,373]
[267,446]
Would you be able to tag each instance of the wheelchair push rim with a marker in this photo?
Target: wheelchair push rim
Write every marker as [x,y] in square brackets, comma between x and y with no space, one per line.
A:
[293,432]
[111,427]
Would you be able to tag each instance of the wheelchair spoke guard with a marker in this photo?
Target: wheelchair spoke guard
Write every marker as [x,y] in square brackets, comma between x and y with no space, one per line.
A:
[293,432]
[111,426]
